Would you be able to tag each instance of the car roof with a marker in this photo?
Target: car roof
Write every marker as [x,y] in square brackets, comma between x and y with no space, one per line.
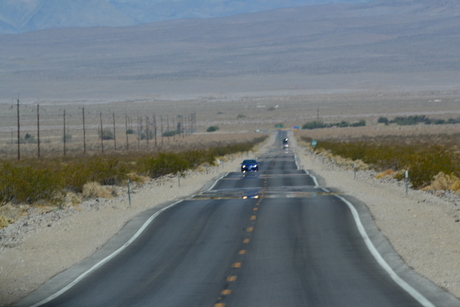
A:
[249,161]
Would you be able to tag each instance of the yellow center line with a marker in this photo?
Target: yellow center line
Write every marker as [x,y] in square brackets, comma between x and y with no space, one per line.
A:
[253,217]
[226,292]
[236,265]
[242,252]
[231,278]
[219,305]
[246,241]
[250,229]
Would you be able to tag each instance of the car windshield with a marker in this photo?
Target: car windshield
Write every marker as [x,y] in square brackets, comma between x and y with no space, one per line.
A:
[249,162]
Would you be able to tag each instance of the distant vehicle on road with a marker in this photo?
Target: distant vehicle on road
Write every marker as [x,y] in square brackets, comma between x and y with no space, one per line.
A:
[249,166]
[285,143]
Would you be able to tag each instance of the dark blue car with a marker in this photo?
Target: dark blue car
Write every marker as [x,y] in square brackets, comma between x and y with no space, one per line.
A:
[249,166]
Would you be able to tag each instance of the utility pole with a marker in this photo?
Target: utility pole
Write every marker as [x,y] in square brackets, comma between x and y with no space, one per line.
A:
[19,131]
[126,124]
[102,133]
[174,127]
[161,128]
[38,130]
[64,139]
[138,133]
[114,134]
[155,128]
[167,127]
[147,130]
[84,131]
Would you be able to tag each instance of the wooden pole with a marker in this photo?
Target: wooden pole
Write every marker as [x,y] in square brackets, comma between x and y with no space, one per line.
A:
[147,130]
[38,131]
[161,128]
[65,139]
[126,124]
[19,132]
[84,131]
[102,133]
[114,133]
[155,128]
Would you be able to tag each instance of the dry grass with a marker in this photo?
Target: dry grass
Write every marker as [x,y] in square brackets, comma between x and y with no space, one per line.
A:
[388,172]
[4,221]
[96,190]
[444,182]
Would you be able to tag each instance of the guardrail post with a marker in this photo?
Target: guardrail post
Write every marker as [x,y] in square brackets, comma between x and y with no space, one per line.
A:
[407,182]
[129,193]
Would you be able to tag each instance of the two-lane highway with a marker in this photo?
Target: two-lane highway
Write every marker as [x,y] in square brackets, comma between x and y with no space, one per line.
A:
[269,238]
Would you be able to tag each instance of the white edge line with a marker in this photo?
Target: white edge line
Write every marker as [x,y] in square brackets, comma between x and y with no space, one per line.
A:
[222,176]
[398,280]
[308,173]
[106,259]
[111,256]
[403,284]
[314,179]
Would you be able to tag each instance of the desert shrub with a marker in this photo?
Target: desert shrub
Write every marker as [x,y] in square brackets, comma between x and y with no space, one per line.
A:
[212,129]
[147,134]
[313,125]
[67,137]
[169,133]
[361,123]
[28,139]
[319,125]
[27,184]
[420,119]
[388,172]
[50,180]
[423,161]
[442,181]
[95,189]
[198,157]
[4,221]
[106,134]
[410,120]
[165,163]
[106,170]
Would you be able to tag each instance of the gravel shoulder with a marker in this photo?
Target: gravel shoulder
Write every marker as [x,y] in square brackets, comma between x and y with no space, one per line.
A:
[421,227]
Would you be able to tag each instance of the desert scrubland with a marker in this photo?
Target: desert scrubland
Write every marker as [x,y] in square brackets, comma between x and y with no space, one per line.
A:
[246,75]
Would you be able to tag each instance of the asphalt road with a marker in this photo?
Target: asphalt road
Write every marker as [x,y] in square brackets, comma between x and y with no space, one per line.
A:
[269,238]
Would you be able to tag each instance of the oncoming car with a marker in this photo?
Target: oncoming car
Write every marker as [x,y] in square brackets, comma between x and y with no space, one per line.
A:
[249,166]
[285,143]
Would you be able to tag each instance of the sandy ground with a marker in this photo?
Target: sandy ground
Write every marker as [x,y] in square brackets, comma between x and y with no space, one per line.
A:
[421,227]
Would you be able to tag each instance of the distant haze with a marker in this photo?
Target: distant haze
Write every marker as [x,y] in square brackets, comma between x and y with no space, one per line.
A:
[18,16]
[386,46]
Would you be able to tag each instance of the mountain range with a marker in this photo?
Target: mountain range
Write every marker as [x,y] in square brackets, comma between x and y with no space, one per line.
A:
[387,45]
[18,16]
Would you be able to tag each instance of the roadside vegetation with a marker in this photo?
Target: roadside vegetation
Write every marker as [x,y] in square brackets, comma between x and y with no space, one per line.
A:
[49,181]
[342,124]
[433,161]
[417,119]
